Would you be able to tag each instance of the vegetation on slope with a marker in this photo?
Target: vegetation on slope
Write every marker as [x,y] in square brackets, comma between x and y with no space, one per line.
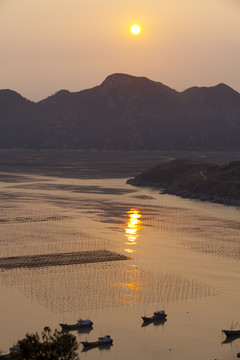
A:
[47,346]
[195,179]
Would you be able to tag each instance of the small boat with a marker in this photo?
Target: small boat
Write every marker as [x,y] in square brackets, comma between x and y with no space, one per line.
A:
[79,325]
[232,333]
[102,341]
[157,315]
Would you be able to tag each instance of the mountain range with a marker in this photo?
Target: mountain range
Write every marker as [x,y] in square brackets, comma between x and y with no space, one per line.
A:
[124,112]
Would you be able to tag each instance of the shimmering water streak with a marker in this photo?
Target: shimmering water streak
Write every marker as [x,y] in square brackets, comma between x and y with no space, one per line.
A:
[133,225]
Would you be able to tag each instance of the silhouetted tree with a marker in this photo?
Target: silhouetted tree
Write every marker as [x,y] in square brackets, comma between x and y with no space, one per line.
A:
[48,346]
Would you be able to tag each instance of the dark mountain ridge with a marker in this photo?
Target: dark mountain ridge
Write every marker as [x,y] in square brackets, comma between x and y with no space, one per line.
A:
[124,112]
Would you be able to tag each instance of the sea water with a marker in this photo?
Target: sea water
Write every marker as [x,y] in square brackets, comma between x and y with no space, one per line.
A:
[183,257]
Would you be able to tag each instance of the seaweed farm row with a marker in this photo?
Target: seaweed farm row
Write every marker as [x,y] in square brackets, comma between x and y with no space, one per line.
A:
[81,257]
[103,285]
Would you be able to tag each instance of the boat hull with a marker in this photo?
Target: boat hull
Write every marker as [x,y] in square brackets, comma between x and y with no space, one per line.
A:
[88,344]
[76,326]
[231,333]
[154,318]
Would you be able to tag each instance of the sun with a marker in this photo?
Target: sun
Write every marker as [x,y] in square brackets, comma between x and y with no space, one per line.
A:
[135,29]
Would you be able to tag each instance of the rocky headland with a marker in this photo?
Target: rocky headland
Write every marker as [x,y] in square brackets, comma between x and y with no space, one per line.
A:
[195,180]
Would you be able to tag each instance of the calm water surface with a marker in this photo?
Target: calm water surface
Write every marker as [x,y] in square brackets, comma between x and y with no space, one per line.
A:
[184,257]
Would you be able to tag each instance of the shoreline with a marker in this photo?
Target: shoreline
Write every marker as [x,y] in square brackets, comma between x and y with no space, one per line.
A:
[185,194]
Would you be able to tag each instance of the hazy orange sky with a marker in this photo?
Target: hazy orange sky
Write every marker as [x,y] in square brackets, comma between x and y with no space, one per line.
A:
[48,45]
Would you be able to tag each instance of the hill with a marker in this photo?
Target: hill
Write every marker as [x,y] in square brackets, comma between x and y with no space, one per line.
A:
[124,113]
[195,179]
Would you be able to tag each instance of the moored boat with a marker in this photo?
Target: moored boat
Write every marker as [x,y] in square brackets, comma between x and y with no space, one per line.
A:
[104,340]
[157,315]
[79,325]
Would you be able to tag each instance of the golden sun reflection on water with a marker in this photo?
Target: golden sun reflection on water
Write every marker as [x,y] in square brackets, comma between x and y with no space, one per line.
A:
[132,288]
[132,284]
[132,227]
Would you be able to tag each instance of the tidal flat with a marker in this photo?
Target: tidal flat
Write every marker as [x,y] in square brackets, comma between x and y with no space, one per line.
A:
[176,254]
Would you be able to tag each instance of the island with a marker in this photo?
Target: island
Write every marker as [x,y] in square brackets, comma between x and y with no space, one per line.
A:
[195,180]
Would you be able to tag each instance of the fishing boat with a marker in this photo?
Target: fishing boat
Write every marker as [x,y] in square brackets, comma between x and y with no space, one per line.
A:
[81,324]
[102,341]
[157,315]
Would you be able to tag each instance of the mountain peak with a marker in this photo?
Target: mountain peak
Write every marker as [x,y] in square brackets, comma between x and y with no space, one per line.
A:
[10,93]
[8,97]
[62,92]
[119,79]
[124,82]
[225,89]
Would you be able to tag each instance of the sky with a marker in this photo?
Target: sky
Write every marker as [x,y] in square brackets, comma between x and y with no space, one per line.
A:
[49,45]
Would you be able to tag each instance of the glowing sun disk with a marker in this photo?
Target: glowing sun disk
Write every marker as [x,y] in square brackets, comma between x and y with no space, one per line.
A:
[135,29]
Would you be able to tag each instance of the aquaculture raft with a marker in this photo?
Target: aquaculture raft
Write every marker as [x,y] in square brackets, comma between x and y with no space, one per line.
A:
[81,257]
